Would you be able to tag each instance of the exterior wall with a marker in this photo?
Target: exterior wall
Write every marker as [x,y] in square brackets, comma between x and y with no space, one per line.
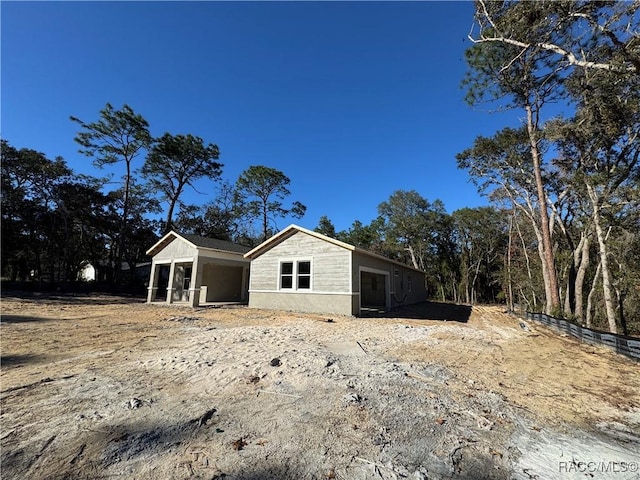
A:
[335,278]
[190,270]
[329,264]
[339,304]
[398,284]
[401,282]
[224,283]
[176,249]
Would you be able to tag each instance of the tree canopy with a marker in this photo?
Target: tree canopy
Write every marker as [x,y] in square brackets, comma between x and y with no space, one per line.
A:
[260,191]
[175,162]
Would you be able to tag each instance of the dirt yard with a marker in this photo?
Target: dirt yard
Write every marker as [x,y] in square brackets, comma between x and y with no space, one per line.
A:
[101,387]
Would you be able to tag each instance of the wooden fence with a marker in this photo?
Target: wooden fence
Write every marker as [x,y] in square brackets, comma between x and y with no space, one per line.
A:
[627,346]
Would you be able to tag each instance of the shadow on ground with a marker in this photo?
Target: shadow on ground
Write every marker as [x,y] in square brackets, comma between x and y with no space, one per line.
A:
[21,319]
[75,298]
[20,360]
[447,312]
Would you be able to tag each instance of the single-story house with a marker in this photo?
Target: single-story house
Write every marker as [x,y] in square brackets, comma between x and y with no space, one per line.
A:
[302,270]
[196,270]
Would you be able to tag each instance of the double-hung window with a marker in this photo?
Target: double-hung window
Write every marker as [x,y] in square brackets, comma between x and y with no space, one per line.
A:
[286,275]
[295,275]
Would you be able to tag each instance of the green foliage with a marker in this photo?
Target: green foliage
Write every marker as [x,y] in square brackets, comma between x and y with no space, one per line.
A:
[482,238]
[216,219]
[325,227]
[175,162]
[585,55]
[52,220]
[260,192]
[118,135]
[366,237]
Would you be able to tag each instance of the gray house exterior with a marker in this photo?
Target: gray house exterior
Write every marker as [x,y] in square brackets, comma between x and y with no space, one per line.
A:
[302,270]
[195,270]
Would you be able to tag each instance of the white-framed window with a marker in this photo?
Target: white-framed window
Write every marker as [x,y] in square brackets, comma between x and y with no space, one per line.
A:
[295,275]
[304,275]
[286,275]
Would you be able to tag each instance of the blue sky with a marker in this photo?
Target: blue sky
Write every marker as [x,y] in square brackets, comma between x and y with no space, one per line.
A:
[351,100]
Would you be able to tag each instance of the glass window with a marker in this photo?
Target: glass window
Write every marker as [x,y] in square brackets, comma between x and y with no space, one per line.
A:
[295,275]
[286,275]
[304,275]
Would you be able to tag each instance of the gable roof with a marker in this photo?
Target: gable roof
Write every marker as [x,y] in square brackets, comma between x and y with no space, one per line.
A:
[292,229]
[198,242]
[215,244]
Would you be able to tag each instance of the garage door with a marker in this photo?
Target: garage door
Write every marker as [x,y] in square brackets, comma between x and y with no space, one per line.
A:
[373,290]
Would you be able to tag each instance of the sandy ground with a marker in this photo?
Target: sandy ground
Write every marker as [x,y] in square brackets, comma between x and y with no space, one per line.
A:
[102,387]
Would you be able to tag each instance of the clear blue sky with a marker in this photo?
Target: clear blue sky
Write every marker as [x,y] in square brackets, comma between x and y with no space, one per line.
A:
[352,100]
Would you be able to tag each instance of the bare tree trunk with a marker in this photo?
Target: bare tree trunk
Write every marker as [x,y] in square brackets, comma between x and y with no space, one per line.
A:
[545,273]
[606,279]
[590,296]
[508,266]
[455,289]
[529,304]
[474,295]
[529,275]
[169,222]
[125,223]
[550,276]
[580,274]
[413,257]
[265,222]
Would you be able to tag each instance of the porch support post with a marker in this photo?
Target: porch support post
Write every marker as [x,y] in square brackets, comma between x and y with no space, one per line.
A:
[196,281]
[153,283]
[170,287]
[244,292]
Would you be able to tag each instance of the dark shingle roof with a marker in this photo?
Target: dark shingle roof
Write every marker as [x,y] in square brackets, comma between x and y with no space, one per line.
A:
[214,243]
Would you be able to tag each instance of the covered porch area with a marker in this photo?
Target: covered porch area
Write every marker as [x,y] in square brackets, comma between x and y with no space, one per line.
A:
[199,282]
[213,273]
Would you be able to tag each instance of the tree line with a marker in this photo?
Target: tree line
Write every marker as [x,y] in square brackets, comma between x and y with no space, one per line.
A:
[561,234]
[572,176]
[54,221]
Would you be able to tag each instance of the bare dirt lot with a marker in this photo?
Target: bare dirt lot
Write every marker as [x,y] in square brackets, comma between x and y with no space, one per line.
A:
[101,387]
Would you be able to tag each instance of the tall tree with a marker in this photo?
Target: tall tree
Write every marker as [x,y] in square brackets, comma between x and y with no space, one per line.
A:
[326,227]
[118,136]
[52,220]
[481,238]
[600,153]
[219,218]
[406,217]
[175,162]
[261,190]
[368,237]
[594,24]
[523,78]
[527,54]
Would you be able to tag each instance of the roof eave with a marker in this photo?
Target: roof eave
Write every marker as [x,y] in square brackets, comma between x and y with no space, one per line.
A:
[165,237]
